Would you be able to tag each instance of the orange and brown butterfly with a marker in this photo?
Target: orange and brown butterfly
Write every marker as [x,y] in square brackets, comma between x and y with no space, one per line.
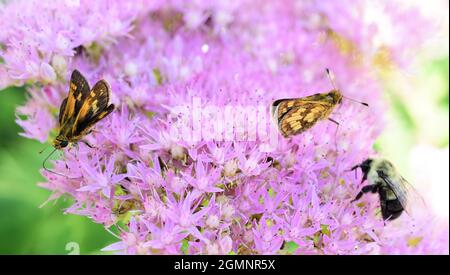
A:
[296,115]
[81,110]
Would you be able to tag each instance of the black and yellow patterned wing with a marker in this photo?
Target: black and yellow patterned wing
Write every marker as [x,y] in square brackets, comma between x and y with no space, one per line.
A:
[302,118]
[296,115]
[94,108]
[62,109]
[78,91]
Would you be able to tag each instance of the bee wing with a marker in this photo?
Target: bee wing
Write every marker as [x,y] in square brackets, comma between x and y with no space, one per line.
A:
[414,198]
[406,194]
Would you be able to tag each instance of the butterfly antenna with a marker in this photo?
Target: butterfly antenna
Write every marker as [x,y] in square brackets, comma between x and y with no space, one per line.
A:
[360,102]
[48,170]
[40,152]
[330,76]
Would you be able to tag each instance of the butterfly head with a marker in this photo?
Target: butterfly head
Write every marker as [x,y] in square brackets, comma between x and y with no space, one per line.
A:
[335,96]
[60,142]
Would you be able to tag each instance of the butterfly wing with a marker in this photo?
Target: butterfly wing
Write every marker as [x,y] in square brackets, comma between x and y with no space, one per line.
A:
[78,91]
[280,107]
[62,109]
[94,108]
[294,116]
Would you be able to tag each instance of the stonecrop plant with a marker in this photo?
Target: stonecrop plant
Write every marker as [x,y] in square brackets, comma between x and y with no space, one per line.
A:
[189,161]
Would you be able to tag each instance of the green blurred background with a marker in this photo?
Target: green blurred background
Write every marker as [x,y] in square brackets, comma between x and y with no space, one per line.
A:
[24,227]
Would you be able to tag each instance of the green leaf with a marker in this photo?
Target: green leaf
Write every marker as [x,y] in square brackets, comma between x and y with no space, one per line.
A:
[185,246]
[158,76]
[325,230]
[291,247]
[316,239]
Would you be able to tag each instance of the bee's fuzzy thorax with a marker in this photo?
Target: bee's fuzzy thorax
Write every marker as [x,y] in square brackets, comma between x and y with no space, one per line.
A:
[380,164]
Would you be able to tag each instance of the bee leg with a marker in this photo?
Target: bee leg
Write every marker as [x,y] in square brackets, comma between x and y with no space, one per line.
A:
[364,178]
[368,188]
[354,169]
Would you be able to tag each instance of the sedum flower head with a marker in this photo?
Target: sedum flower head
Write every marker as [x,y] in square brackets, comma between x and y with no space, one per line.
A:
[175,163]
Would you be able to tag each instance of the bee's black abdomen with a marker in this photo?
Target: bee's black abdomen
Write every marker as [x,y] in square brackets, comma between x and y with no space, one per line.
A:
[390,209]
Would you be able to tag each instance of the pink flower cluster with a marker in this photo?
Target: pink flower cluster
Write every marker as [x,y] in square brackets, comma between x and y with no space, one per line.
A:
[168,195]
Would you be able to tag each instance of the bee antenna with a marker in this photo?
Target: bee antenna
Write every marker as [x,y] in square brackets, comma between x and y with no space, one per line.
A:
[48,170]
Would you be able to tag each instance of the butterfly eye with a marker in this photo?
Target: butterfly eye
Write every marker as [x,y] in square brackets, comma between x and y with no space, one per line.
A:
[63,143]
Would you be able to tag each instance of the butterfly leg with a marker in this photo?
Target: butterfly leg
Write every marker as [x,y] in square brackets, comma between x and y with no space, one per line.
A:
[87,144]
[335,132]
[72,145]
[92,131]
[335,122]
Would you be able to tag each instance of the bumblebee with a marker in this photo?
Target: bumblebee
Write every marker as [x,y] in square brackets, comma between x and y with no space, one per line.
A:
[396,194]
